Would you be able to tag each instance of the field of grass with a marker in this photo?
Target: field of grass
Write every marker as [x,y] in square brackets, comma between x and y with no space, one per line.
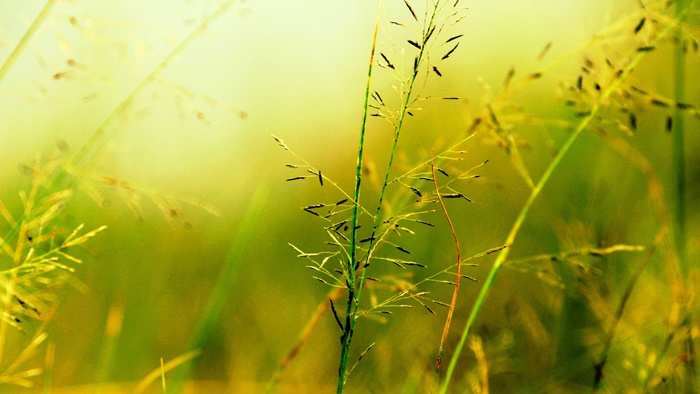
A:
[400,196]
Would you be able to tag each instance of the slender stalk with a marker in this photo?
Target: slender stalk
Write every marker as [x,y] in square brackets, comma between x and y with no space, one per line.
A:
[224,283]
[450,313]
[355,291]
[501,258]
[678,147]
[678,159]
[17,50]
[351,309]
[303,338]
[503,254]
[397,131]
[612,331]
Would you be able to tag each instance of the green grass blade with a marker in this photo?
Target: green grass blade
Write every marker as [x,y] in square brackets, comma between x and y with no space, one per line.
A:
[679,174]
[225,282]
[17,50]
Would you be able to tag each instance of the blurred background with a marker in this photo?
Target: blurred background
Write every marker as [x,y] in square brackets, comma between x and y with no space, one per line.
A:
[199,131]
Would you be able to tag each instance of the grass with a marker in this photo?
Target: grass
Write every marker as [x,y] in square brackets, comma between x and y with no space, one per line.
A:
[590,118]
[563,150]
[431,34]
[35,242]
[584,233]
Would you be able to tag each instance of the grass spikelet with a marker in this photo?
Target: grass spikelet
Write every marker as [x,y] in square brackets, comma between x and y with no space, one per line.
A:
[450,52]
[410,9]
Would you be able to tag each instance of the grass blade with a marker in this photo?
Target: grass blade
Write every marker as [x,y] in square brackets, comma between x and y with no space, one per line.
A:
[225,282]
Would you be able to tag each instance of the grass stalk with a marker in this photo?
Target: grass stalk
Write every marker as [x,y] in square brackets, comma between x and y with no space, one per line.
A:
[501,257]
[303,338]
[17,50]
[450,313]
[113,329]
[678,160]
[600,365]
[224,283]
[503,254]
[162,369]
[356,290]
[351,309]
[678,147]
[399,125]
[397,131]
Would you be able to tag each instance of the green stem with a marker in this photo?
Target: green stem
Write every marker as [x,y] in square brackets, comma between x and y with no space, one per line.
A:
[224,283]
[10,61]
[501,258]
[355,292]
[351,309]
[397,131]
[678,148]
[678,160]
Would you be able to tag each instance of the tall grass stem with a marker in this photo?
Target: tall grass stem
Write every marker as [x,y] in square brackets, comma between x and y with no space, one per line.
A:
[351,309]
[227,278]
[17,50]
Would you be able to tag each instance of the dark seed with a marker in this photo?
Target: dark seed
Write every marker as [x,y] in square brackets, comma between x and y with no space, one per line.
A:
[450,52]
[509,77]
[659,103]
[411,9]
[311,212]
[544,51]
[453,38]
[403,250]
